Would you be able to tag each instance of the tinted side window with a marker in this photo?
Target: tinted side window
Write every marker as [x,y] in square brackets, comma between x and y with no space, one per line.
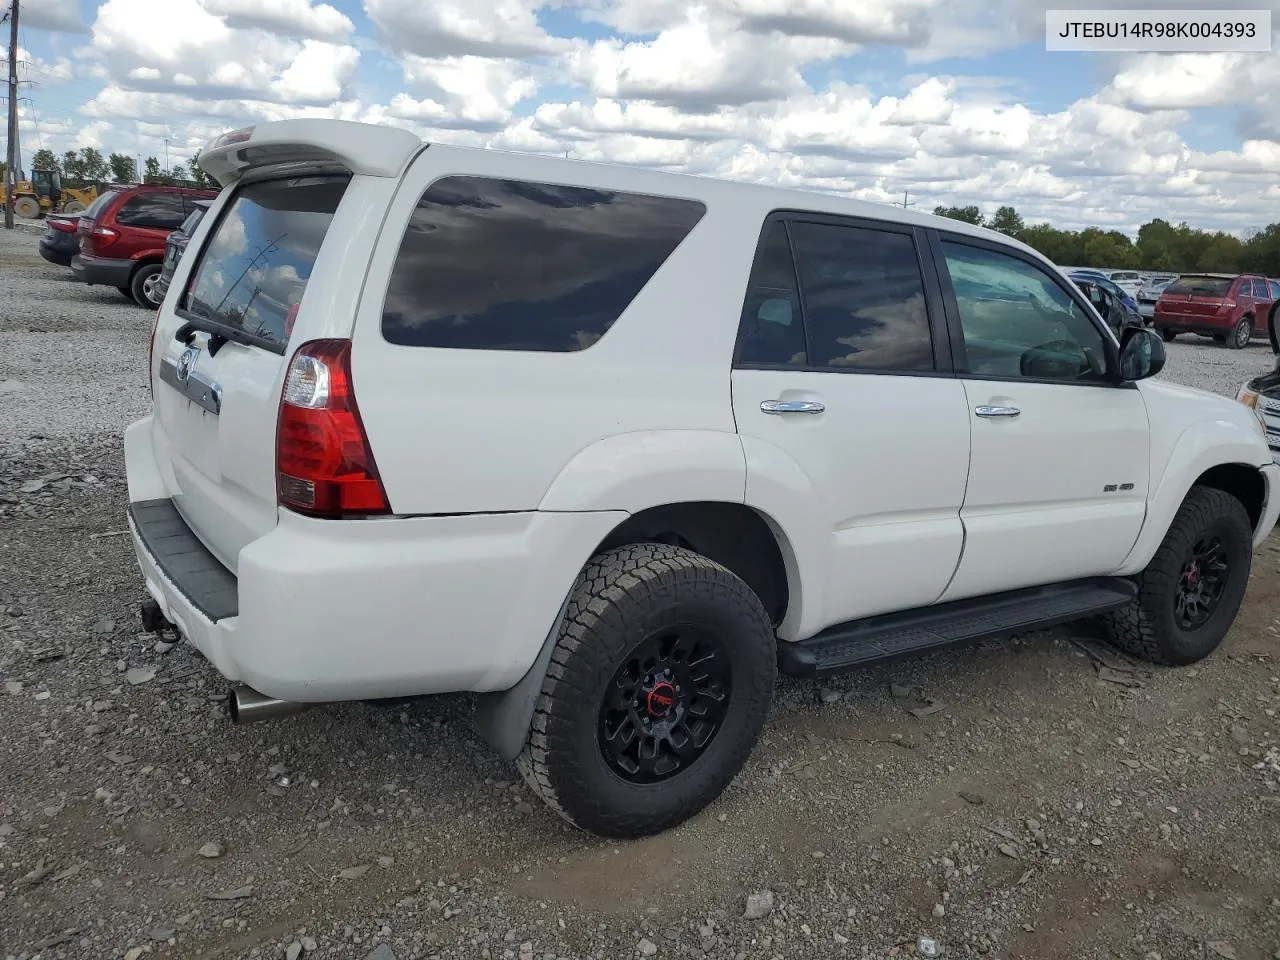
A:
[1019,322]
[863,298]
[1274,292]
[1259,289]
[509,265]
[772,332]
[161,210]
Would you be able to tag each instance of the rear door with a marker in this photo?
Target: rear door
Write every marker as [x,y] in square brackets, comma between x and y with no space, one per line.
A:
[841,365]
[221,348]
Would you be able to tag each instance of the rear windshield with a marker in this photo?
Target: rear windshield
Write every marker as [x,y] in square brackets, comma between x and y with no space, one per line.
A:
[1201,286]
[91,212]
[256,263]
[189,224]
[1124,276]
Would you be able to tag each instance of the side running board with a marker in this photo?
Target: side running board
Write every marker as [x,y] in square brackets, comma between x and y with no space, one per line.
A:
[860,642]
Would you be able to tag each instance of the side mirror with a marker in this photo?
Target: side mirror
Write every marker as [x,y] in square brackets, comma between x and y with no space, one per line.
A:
[1141,354]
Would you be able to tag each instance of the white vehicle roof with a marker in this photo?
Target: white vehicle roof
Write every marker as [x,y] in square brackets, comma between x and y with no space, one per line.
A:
[382,151]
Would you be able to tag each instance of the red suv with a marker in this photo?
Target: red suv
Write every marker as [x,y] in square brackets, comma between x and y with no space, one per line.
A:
[122,237]
[1224,306]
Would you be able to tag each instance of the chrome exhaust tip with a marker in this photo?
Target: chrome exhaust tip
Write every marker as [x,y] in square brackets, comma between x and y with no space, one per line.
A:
[247,705]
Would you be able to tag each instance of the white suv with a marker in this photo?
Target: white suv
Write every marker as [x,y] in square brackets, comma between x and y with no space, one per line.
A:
[612,447]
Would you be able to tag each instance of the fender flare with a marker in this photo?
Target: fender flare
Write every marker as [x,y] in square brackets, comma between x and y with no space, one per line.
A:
[1199,448]
[650,468]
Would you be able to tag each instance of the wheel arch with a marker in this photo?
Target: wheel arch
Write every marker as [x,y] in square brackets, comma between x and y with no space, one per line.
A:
[1218,454]
[743,539]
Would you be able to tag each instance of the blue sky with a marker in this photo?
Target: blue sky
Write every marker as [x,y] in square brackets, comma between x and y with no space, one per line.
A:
[954,101]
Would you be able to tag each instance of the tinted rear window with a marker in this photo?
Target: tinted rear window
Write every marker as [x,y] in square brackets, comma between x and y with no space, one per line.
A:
[193,218]
[91,212]
[509,265]
[161,211]
[1200,286]
[256,263]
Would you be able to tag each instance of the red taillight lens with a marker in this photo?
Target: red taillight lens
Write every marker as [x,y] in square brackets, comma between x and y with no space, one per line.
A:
[324,466]
[63,226]
[103,237]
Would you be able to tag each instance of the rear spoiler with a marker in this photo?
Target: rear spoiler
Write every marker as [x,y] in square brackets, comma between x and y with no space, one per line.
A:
[362,148]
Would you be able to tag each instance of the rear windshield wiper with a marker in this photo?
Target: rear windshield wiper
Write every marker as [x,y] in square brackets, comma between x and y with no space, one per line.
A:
[220,334]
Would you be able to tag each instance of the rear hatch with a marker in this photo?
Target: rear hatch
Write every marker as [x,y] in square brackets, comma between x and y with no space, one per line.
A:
[1194,299]
[89,219]
[220,349]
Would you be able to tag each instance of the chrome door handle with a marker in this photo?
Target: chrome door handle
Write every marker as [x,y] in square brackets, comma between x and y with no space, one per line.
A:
[792,406]
[989,411]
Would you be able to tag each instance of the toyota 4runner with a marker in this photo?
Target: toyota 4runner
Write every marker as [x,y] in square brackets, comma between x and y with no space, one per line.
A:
[612,447]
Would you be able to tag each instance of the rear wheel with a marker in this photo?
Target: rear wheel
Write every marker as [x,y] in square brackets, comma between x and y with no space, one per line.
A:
[1168,335]
[656,692]
[1242,334]
[1190,592]
[27,207]
[143,285]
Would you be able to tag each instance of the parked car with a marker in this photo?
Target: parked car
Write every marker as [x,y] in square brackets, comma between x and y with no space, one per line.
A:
[756,429]
[1115,306]
[1227,307]
[1130,281]
[1262,396]
[122,240]
[58,243]
[1150,292]
[176,244]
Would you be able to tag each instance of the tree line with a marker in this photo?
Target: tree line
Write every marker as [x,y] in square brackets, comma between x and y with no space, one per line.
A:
[1160,245]
[90,166]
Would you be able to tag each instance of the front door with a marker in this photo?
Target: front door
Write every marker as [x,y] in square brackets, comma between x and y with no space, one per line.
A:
[1060,470]
[836,391]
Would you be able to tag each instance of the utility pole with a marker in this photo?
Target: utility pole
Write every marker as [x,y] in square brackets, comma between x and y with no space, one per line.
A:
[904,201]
[11,165]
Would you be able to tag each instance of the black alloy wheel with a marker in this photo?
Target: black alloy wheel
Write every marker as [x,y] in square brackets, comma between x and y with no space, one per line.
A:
[665,704]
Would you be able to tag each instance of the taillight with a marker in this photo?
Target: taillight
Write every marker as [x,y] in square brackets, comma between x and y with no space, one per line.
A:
[324,466]
[64,226]
[103,236]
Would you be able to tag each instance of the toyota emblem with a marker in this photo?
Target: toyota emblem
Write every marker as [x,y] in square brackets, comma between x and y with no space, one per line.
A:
[186,362]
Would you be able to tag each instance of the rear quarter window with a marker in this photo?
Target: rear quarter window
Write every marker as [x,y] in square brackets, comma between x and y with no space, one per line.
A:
[489,264]
[162,211]
[258,258]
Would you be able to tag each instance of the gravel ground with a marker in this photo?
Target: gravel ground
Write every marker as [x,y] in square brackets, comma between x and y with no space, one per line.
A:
[1040,797]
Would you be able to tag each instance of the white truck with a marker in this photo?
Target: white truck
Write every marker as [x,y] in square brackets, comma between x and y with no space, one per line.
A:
[611,447]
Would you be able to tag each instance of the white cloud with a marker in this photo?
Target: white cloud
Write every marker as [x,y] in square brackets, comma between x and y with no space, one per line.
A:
[61,16]
[451,28]
[291,18]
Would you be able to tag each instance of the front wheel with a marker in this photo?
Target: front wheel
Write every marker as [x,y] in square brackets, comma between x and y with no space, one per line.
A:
[1190,592]
[656,692]
[1242,334]
[143,286]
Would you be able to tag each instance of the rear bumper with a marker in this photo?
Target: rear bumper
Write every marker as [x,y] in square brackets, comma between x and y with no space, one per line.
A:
[323,610]
[55,254]
[100,270]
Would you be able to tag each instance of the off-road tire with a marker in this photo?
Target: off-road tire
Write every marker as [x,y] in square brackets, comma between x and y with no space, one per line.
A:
[1147,628]
[139,284]
[1241,334]
[27,207]
[622,598]
[1167,335]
